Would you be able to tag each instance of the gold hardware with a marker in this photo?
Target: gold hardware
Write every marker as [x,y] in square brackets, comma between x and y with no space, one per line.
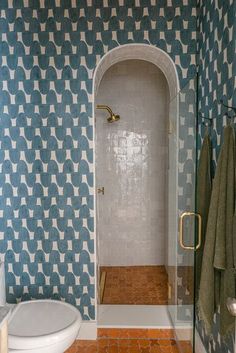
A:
[113,117]
[101,190]
[102,285]
[181,235]
[169,291]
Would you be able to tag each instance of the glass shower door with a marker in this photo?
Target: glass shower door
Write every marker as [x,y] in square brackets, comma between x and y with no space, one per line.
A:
[182,220]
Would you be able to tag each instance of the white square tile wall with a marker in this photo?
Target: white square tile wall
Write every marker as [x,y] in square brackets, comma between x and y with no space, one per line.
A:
[131,164]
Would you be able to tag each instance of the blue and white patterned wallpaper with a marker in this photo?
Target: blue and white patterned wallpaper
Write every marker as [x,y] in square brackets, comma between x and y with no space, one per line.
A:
[217,66]
[217,80]
[48,52]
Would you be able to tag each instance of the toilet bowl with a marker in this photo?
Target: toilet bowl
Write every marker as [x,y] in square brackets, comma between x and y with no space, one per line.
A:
[43,326]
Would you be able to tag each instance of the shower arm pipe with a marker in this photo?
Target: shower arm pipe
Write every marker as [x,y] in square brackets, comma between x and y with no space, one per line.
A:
[105,107]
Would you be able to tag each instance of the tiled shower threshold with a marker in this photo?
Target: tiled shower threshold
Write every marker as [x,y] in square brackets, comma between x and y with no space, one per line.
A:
[144,317]
[148,317]
[134,316]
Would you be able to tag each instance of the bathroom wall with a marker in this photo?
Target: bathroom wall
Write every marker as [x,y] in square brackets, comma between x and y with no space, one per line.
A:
[48,52]
[217,66]
[131,163]
[217,80]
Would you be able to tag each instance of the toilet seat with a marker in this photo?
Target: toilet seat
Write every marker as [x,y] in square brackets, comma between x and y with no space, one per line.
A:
[41,323]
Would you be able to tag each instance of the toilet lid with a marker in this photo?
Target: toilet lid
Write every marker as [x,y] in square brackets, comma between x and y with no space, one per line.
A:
[36,323]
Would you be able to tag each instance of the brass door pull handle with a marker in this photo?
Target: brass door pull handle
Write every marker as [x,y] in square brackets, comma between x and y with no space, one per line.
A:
[181,235]
[101,190]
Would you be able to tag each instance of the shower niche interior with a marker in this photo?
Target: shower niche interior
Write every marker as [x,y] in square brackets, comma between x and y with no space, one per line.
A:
[132,184]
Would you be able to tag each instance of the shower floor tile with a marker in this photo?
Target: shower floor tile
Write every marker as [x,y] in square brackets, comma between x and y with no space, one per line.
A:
[124,346]
[140,285]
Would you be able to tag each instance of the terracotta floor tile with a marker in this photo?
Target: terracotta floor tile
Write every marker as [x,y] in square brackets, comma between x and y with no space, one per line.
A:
[124,342]
[186,346]
[169,349]
[154,343]
[113,349]
[134,350]
[111,345]
[136,333]
[160,333]
[143,285]
[166,342]
[144,343]
[72,349]
[155,349]
[134,343]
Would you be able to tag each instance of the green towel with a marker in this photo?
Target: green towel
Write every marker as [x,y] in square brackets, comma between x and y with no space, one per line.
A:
[203,196]
[217,274]
[234,238]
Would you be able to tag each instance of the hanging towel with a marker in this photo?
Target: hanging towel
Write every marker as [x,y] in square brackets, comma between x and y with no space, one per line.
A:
[234,238]
[217,274]
[203,196]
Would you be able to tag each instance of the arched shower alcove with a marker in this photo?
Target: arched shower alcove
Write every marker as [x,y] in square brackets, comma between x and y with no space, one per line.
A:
[144,52]
[165,64]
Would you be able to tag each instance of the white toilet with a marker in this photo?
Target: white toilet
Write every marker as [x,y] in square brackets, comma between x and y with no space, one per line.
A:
[43,326]
[40,326]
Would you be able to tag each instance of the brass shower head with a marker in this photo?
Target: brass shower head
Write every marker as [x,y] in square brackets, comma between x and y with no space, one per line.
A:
[113,117]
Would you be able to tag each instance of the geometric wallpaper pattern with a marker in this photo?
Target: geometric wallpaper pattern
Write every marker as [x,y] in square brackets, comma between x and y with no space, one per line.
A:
[48,52]
[217,80]
[217,64]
